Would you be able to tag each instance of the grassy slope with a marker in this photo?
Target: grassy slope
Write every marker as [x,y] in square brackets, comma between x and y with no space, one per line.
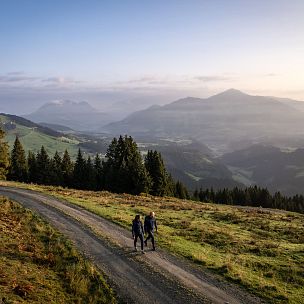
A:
[263,251]
[32,139]
[38,265]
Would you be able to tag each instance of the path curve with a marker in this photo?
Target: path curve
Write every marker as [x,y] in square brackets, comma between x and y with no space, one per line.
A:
[156,277]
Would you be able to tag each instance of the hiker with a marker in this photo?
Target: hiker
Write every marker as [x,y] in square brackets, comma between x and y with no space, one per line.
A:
[138,232]
[150,224]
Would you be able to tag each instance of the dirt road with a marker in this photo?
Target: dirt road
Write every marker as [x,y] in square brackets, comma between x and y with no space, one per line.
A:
[156,277]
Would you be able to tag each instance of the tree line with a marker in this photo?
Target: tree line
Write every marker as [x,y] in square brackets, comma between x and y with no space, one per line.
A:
[122,171]
[251,196]
[125,171]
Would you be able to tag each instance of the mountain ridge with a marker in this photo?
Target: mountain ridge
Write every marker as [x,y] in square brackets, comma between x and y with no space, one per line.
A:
[80,116]
[219,120]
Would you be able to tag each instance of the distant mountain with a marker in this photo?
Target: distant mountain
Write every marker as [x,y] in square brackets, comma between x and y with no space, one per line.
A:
[268,166]
[222,121]
[76,115]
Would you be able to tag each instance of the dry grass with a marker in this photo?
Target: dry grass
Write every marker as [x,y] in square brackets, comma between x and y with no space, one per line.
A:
[38,265]
[261,250]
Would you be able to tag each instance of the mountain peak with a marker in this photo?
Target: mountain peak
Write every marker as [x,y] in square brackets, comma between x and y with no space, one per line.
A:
[67,105]
[232,93]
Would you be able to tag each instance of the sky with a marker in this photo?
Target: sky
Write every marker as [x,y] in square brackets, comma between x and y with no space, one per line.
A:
[115,51]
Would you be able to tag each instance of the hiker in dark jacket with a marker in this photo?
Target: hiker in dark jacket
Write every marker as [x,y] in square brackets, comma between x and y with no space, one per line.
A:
[138,232]
[150,225]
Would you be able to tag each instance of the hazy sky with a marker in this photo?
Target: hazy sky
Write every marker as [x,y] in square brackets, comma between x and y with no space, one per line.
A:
[59,48]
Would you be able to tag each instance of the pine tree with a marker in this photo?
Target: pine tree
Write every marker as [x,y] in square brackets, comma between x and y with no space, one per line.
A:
[56,176]
[18,169]
[67,168]
[181,191]
[4,156]
[32,167]
[124,170]
[159,176]
[90,183]
[79,172]
[99,182]
[43,167]
[196,195]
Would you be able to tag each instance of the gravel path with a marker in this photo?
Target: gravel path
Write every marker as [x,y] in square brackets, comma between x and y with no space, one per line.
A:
[156,277]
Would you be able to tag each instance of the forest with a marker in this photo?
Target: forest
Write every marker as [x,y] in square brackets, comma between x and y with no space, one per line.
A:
[124,170]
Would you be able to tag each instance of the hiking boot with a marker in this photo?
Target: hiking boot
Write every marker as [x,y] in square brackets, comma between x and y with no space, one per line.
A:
[153,249]
[135,249]
[146,244]
[143,252]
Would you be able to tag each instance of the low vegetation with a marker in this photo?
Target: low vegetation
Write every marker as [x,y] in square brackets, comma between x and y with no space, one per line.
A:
[260,249]
[38,265]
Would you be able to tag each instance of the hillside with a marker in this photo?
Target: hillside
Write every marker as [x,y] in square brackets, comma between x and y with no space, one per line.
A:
[33,136]
[269,167]
[39,265]
[221,121]
[79,116]
[257,248]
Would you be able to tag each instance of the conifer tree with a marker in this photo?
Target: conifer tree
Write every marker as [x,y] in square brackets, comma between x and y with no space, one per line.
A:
[99,178]
[43,167]
[181,191]
[18,167]
[196,195]
[159,176]
[4,156]
[32,167]
[124,170]
[79,172]
[90,182]
[67,168]
[56,175]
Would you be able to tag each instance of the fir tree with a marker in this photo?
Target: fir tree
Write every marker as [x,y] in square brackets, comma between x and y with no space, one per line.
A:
[4,156]
[79,172]
[67,168]
[157,171]
[99,176]
[90,183]
[32,167]
[18,170]
[56,175]
[43,167]
[124,170]
[181,191]
[196,195]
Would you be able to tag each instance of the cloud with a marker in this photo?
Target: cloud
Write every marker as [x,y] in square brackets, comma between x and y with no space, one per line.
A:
[144,79]
[11,78]
[213,78]
[21,80]
[15,73]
